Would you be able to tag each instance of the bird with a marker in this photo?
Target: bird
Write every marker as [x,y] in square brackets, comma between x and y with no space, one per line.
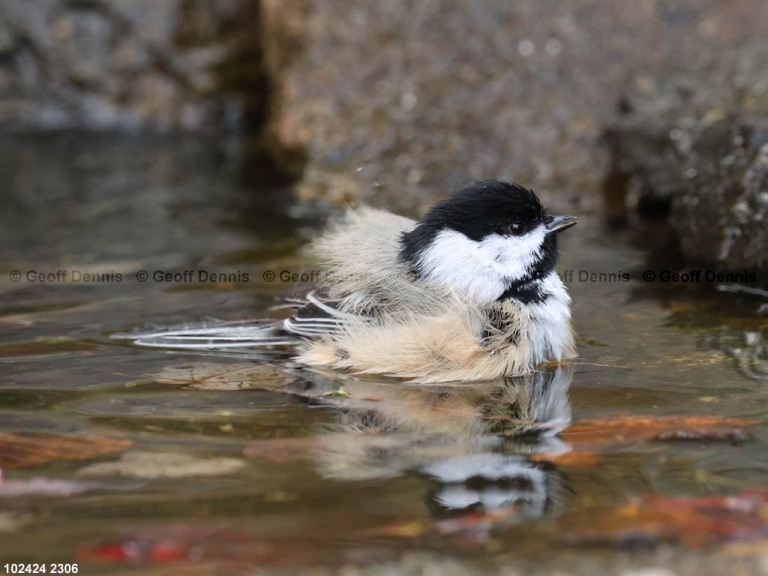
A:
[468,292]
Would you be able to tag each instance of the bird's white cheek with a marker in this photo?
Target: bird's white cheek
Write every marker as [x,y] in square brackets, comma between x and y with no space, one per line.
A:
[513,256]
[481,271]
[463,266]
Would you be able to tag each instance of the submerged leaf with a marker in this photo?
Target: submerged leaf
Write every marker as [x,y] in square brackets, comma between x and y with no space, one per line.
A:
[590,438]
[622,430]
[186,546]
[173,544]
[574,459]
[41,487]
[25,449]
[150,465]
[214,376]
[692,522]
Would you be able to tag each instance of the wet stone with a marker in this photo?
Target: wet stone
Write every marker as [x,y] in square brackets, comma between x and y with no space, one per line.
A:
[694,149]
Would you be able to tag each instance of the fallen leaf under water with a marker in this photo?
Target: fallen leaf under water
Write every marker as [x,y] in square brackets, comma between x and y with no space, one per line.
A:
[694,522]
[26,449]
[589,439]
[11,488]
[213,376]
[188,545]
[152,465]
[625,429]
[174,544]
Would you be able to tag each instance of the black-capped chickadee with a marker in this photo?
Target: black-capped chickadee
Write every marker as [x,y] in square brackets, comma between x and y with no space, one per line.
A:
[469,292]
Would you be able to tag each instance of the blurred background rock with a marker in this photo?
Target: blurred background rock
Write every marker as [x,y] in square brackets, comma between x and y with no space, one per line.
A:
[130,65]
[660,104]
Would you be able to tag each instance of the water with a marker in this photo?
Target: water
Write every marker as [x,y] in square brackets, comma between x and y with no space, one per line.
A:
[314,468]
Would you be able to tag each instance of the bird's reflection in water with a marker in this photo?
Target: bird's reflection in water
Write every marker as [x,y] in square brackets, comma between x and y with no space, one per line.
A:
[473,441]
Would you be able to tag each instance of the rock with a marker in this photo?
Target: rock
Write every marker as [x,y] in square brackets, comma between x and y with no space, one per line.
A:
[694,147]
[721,216]
[399,103]
[159,65]
[381,101]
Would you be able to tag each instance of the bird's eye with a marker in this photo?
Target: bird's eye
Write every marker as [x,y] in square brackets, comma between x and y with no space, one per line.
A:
[516,228]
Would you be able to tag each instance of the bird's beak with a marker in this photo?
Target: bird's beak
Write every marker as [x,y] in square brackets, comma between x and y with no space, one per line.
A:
[559,223]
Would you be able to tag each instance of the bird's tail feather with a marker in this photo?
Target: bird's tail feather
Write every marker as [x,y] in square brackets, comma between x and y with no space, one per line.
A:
[214,335]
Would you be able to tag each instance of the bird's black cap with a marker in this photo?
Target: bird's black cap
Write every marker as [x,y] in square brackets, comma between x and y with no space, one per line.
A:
[484,208]
[479,210]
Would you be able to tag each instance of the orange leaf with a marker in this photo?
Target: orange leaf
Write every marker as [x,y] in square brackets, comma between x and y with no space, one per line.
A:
[692,522]
[23,449]
[622,430]
[590,438]
[575,459]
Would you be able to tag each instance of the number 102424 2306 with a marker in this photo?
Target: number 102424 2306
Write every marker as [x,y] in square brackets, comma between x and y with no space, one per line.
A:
[40,568]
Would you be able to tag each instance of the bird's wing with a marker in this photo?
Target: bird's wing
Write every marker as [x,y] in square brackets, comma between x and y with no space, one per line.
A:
[319,316]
